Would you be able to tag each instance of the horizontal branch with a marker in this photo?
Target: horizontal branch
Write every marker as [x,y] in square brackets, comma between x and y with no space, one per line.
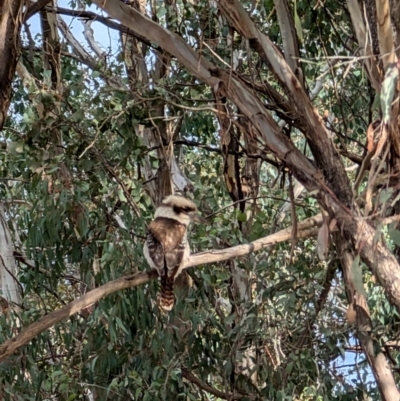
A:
[306,228]
[34,8]
[26,335]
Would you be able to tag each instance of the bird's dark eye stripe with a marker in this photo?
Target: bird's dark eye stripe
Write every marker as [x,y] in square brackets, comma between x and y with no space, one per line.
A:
[185,209]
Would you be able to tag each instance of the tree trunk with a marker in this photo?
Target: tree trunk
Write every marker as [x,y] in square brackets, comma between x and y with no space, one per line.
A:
[10,24]
[362,320]
[9,285]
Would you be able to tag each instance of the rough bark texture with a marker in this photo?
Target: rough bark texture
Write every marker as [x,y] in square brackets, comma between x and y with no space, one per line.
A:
[10,24]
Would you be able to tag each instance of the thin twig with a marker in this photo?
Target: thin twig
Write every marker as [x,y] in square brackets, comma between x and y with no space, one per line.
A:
[294,219]
[240,201]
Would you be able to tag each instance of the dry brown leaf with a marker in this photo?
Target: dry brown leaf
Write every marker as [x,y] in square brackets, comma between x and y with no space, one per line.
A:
[371,131]
[381,142]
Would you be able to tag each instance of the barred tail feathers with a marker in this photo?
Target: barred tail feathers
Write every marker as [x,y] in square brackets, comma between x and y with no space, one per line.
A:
[167,298]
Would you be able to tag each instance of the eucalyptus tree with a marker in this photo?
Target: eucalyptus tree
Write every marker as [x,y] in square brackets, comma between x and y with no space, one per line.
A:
[280,120]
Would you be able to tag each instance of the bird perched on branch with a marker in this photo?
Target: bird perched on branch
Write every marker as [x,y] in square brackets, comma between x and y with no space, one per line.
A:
[167,247]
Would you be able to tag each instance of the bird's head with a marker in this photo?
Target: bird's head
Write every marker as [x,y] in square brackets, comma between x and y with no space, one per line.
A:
[179,208]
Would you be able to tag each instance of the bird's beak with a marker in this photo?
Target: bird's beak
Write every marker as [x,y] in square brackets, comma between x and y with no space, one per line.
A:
[197,218]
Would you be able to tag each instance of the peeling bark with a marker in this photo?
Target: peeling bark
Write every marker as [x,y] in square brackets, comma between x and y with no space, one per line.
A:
[10,25]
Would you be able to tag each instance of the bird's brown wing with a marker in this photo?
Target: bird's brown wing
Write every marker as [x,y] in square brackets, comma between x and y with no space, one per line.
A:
[156,252]
[166,241]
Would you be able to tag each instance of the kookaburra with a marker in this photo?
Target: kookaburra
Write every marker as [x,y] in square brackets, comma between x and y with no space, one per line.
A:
[167,247]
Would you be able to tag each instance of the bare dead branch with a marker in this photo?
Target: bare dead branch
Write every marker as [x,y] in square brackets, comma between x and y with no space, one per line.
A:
[89,36]
[89,15]
[76,45]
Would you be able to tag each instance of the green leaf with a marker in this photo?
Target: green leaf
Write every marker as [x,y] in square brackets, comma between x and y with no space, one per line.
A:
[15,147]
[161,12]
[242,217]
[147,396]
[78,115]
[57,373]
[357,275]
[394,235]
[230,319]
[121,325]
[385,195]
[297,24]
[280,395]
[289,368]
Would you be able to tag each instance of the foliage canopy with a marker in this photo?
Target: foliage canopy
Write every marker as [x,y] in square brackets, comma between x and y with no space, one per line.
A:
[97,133]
